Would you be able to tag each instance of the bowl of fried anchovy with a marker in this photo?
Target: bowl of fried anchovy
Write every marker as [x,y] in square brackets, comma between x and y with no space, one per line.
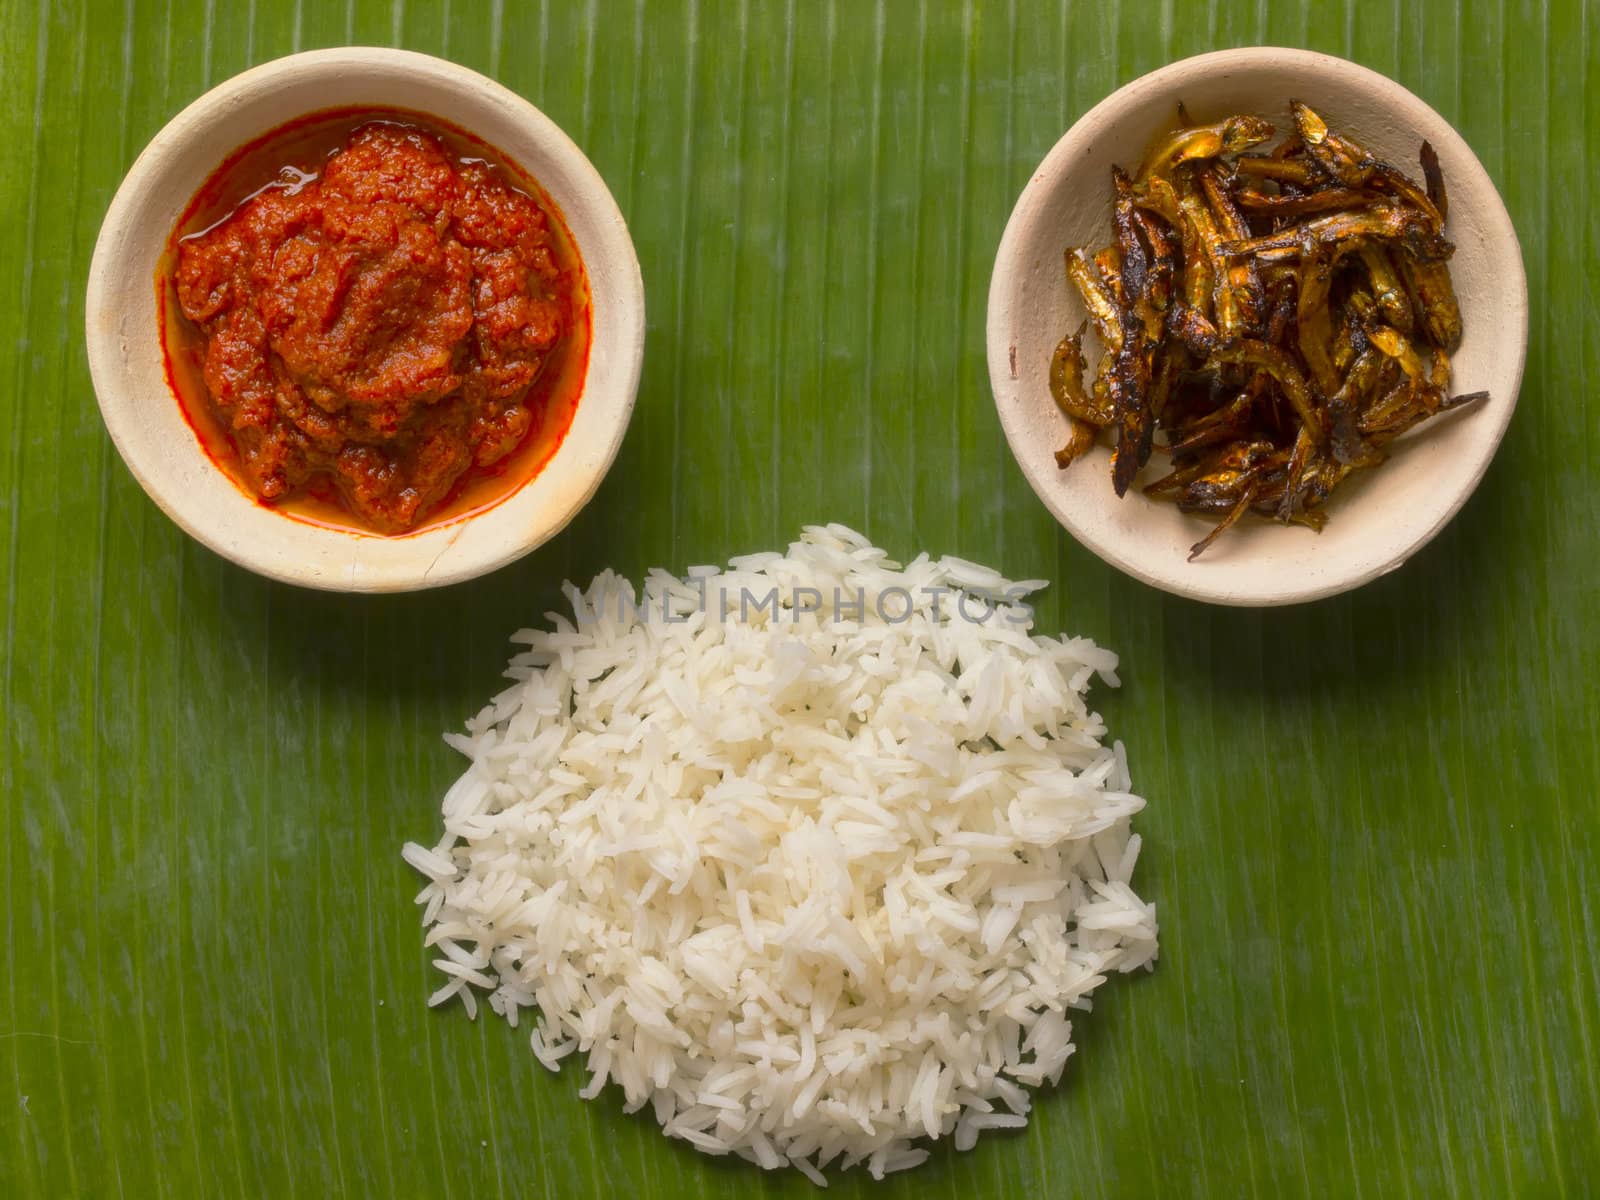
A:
[1257,326]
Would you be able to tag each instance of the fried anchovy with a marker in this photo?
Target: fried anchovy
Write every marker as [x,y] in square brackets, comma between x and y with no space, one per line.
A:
[1282,205]
[1439,372]
[1240,277]
[1313,320]
[1391,221]
[1395,344]
[1304,447]
[1393,410]
[1435,299]
[1344,407]
[1207,285]
[1190,327]
[1388,289]
[1108,262]
[1240,507]
[1130,392]
[1463,399]
[1322,475]
[1350,335]
[1215,470]
[1338,157]
[1408,416]
[1300,172]
[1205,141]
[1096,299]
[1135,429]
[1163,257]
[1135,262]
[1386,179]
[1360,306]
[1282,368]
[1282,305]
[1156,195]
[1434,178]
[1066,383]
[1080,437]
[1161,391]
[1351,165]
[1220,424]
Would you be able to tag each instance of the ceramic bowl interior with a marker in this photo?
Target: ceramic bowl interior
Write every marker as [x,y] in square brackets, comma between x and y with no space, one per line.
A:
[1378,518]
[164,453]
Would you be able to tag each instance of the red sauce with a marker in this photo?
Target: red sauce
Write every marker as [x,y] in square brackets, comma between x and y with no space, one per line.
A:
[374,321]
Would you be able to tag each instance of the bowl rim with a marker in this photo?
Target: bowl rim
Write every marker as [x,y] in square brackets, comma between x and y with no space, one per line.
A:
[1010,265]
[350,560]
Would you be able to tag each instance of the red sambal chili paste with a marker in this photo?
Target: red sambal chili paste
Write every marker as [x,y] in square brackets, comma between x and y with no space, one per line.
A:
[388,320]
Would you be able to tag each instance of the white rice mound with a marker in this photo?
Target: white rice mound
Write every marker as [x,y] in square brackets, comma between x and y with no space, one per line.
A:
[811,881]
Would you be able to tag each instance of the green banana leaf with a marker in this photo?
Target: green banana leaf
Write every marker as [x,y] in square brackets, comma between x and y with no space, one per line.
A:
[1374,828]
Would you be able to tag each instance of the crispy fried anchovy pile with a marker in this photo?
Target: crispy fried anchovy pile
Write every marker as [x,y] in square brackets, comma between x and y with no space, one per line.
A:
[1280,317]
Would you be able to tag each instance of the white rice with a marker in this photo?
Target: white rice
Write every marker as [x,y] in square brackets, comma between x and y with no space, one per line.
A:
[812,881]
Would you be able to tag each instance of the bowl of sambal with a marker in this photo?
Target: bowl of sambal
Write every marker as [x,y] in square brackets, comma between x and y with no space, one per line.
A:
[365,320]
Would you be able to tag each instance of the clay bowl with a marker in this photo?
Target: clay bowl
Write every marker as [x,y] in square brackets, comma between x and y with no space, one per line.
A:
[162,449]
[1377,519]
